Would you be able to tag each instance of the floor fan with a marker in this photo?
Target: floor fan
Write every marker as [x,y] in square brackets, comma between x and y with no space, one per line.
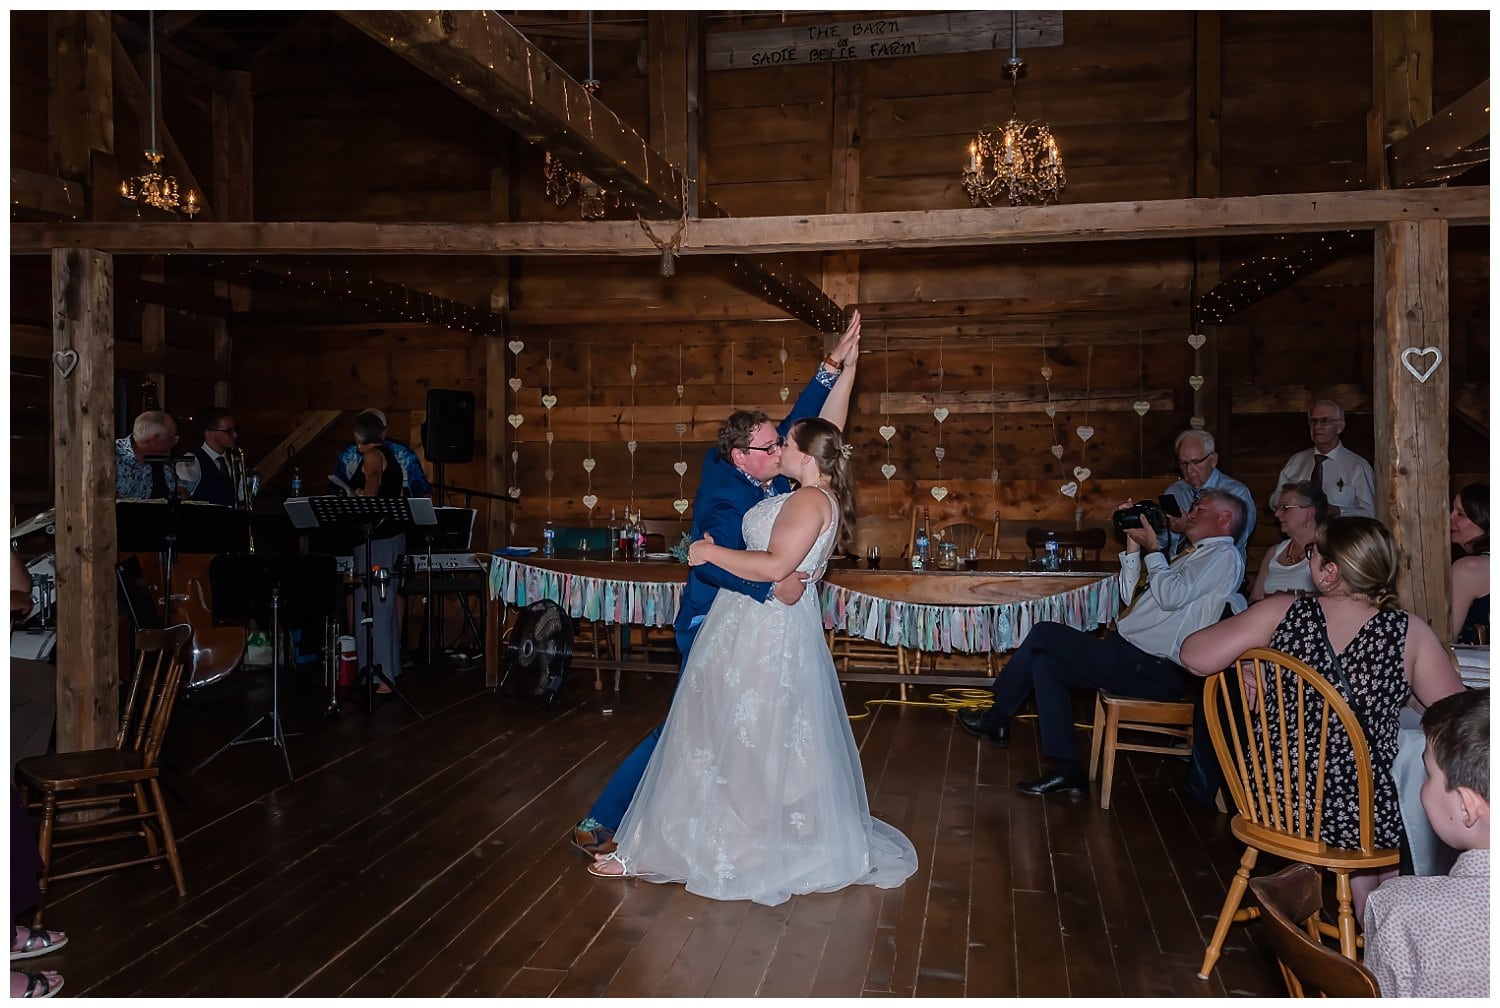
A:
[539,649]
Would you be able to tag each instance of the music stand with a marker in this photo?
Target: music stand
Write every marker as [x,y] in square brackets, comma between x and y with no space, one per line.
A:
[247,586]
[391,514]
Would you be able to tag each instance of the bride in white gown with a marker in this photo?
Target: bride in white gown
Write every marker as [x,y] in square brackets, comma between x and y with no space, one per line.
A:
[755,789]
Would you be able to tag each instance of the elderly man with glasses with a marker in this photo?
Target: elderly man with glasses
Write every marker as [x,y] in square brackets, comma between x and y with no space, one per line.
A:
[143,469]
[1347,479]
[1198,461]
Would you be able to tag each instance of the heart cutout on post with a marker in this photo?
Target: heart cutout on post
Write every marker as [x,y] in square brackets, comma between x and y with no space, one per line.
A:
[1085,432]
[679,391]
[1410,352]
[784,392]
[939,492]
[888,470]
[516,346]
[681,429]
[887,431]
[549,400]
[1197,340]
[1051,411]
[1082,473]
[1141,407]
[550,436]
[515,384]
[1069,489]
[680,467]
[589,500]
[1046,373]
[681,504]
[782,355]
[515,457]
[1057,450]
[515,419]
[1196,422]
[941,413]
[1196,381]
[632,370]
[588,465]
[549,474]
[65,361]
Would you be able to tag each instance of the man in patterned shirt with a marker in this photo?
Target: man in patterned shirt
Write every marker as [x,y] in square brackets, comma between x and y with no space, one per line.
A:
[153,433]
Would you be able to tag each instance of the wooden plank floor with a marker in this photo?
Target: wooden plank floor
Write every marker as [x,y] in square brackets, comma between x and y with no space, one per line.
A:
[428,857]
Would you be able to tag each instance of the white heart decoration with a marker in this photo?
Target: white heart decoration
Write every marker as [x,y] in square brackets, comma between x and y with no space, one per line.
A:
[888,470]
[1069,489]
[1196,381]
[549,400]
[65,361]
[632,370]
[1141,407]
[1082,473]
[1197,340]
[515,456]
[784,393]
[550,436]
[939,492]
[681,468]
[589,500]
[1196,422]
[679,391]
[549,474]
[515,384]
[514,492]
[940,451]
[782,355]
[941,413]
[681,429]
[1406,356]
[1085,432]
[994,475]
[630,447]
[1046,373]
[681,504]
[1051,411]
[887,431]
[516,419]
[1057,450]
[588,465]
[516,346]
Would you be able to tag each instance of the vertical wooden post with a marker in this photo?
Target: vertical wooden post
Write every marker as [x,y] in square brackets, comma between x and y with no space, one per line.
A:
[841,269]
[234,193]
[80,97]
[1402,86]
[1411,474]
[83,446]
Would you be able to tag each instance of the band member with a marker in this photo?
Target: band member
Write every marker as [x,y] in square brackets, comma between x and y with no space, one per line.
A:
[153,434]
[410,464]
[378,475]
[215,483]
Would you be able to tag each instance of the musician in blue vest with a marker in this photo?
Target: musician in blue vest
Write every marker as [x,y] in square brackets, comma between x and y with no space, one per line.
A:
[738,473]
[215,483]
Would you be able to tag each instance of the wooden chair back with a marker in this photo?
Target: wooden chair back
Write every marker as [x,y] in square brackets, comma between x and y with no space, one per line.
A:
[1266,746]
[958,524]
[161,656]
[1288,900]
[1076,544]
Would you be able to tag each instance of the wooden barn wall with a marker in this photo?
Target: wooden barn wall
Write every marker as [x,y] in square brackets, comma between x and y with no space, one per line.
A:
[346,130]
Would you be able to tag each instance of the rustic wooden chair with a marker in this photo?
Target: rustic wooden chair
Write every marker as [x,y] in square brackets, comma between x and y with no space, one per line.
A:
[124,779]
[1075,544]
[1280,813]
[1289,901]
[1113,714]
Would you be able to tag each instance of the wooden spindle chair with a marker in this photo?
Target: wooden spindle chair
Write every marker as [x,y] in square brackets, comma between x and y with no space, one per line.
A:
[1289,901]
[123,781]
[1297,713]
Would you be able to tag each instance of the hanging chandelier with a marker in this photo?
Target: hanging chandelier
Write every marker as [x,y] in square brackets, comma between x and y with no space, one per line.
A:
[152,187]
[563,183]
[1018,163]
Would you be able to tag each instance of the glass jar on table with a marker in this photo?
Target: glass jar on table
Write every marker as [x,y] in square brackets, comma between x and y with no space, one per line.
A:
[947,558]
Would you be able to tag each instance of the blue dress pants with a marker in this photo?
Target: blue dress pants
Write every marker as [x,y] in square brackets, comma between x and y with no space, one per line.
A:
[1055,659]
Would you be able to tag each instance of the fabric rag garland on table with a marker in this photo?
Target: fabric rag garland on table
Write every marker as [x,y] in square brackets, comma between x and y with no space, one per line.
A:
[650,603]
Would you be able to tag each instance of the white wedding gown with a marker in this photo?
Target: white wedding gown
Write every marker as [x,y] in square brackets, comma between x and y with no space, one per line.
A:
[755,789]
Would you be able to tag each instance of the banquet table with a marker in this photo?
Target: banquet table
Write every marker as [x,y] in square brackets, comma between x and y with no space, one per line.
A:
[989,609]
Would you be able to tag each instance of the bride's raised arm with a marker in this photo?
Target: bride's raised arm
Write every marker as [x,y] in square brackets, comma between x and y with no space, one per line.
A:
[797,527]
[836,407]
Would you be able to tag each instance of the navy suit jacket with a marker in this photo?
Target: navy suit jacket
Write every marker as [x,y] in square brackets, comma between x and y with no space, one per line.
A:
[724,495]
[213,486]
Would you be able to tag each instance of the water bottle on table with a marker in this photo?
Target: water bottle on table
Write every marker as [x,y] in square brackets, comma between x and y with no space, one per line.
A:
[1052,560]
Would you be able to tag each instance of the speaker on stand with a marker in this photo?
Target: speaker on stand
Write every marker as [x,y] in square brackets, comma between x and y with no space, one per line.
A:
[448,431]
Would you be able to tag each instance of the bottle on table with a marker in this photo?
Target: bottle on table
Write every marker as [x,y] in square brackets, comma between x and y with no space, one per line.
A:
[921,555]
[549,540]
[296,482]
[614,535]
[1052,558]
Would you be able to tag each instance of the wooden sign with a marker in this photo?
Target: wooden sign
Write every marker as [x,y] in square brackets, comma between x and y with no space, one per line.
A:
[882,38]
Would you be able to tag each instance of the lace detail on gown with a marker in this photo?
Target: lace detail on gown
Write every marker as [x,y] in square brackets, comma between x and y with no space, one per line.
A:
[755,789]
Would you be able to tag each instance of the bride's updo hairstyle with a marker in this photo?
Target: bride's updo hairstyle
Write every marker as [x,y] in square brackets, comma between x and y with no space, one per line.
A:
[1366,557]
[824,443]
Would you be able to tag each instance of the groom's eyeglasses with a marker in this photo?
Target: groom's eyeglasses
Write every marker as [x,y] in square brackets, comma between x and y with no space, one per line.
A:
[774,446]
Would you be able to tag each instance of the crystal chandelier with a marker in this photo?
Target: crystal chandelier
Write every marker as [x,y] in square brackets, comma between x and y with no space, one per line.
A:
[1018,163]
[152,187]
[562,182]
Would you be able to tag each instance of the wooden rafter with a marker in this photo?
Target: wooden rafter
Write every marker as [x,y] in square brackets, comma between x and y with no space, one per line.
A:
[391,300]
[1445,146]
[483,58]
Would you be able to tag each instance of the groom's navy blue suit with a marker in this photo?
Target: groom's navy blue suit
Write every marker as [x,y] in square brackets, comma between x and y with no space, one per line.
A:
[725,493]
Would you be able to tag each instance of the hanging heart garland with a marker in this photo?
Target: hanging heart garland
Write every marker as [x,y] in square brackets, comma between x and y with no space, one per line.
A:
[1196,381]
[1069,489]
[1196,341]
[549,400]
[941,413]
[515,419]
[516,346]
[888,470]
[681,429]
[680,467]
[1058,450]
[887,431]
[515,384]
[1082,473]
[681,504]
[514,493]
[550,436]
[939,451]
[588,465]
[939,492]
[1197,422]
[589,500]
[1051,411]
[679,391]
[784,392]
[1141,407]
[1046,373]
[1085,432]
[630,447]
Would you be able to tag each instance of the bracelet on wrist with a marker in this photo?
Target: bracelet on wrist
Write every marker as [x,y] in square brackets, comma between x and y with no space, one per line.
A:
[832,364]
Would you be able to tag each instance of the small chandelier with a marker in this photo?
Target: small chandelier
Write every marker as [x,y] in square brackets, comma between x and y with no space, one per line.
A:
[152,187]
[562,182]
[1018,163]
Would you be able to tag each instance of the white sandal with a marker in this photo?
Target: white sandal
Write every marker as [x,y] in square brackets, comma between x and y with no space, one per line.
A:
[597,866]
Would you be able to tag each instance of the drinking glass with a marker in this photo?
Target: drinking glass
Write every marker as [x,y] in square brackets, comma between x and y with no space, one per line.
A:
[583,547]
[872,557]
[971,558]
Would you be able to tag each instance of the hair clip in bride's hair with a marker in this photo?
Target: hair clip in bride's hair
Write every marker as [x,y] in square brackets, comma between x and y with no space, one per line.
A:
[845,450]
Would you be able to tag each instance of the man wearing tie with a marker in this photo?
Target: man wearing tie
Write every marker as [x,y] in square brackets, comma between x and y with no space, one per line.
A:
[215,484]
[154,433]
[1347,479]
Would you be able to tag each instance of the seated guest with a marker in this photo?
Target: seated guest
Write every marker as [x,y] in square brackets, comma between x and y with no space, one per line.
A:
[1137,658]
[154,433]
[1385,653]
[1347,479]
[215,484]
[1430,937]
[1302,509]
[414,480]
[1198,461]
[1469,529]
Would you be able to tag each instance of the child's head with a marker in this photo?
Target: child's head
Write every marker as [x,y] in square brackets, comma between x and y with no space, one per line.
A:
[1456,796]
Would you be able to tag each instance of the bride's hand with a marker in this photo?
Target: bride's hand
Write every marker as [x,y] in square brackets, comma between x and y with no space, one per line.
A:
[697,550]
[847,351]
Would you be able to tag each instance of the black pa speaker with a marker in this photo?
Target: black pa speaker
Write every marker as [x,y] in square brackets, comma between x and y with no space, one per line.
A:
[448,434]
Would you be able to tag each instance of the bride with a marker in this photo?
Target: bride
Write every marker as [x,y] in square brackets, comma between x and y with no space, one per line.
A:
[755,790]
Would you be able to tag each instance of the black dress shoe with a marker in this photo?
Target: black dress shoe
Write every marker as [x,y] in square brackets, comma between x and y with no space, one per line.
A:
[972,721]
[1071,781]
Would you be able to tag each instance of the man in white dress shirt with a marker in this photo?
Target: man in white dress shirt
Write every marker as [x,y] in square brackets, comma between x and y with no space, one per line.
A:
[1347,479]
[1139,657]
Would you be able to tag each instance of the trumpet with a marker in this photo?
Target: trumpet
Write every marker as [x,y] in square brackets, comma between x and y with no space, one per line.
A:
[245,484]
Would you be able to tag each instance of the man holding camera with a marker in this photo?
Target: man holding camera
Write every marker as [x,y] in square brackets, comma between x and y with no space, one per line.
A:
[1198,461]
[1138,657]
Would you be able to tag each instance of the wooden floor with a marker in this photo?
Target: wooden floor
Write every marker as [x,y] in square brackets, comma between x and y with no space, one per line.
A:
[427,857]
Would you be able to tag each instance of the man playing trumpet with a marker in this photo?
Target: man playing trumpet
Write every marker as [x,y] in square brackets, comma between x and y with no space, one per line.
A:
[216,480]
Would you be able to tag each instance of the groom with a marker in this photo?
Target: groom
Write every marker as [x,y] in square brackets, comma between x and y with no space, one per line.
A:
[737,475]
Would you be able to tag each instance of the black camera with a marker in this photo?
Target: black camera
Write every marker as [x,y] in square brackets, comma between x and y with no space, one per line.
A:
[1148,512]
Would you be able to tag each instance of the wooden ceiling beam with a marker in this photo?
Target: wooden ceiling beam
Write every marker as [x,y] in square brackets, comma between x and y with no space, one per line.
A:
[1445,146]
[1238,215]
[485,59]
